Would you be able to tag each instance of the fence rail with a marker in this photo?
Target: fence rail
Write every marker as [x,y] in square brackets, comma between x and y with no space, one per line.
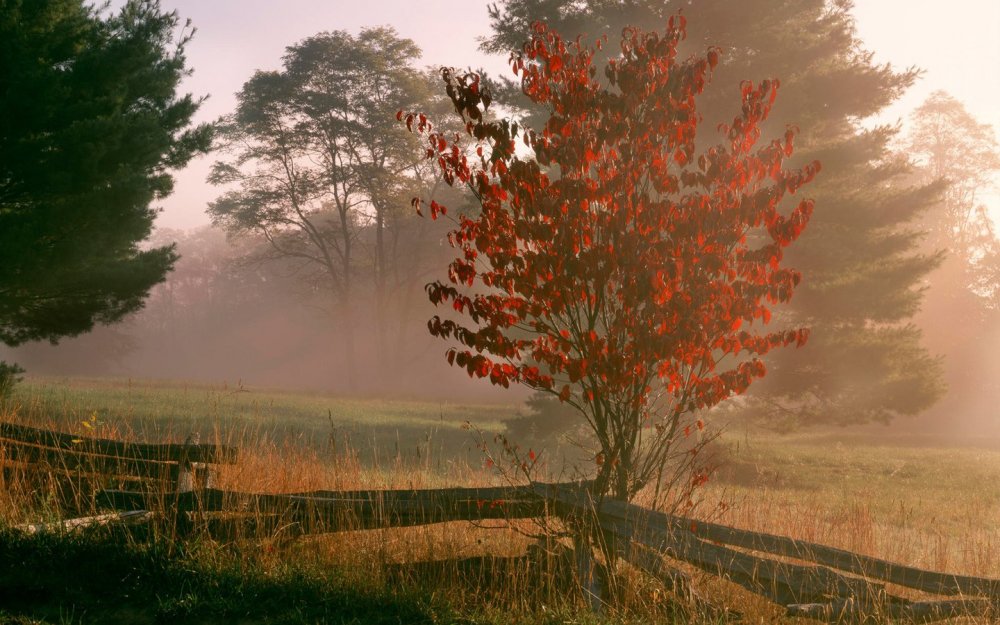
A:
[823,591]
[332,511]
[163,452]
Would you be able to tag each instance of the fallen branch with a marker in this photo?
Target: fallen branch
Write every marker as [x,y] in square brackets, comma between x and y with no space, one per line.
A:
[69,525]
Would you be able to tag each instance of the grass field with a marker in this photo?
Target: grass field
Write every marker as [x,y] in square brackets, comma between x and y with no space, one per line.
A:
[167,410]
[900,498]
[936,507]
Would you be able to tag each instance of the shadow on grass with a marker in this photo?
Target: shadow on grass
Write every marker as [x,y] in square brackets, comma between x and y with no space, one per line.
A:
[57,579]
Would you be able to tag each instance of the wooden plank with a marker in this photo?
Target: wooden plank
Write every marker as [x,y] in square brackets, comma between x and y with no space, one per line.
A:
[364,510]
[781,582]
[215,499]
[869,567]
[164,452]
[653,563]
[911,611]
[677,581]
[73,461]
[484,493]
[876,568]
[72,493]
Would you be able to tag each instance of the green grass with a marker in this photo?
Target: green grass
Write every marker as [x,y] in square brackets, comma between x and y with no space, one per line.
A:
[103,579]
[839,466]
[167,409]
[173,403]
[888,472]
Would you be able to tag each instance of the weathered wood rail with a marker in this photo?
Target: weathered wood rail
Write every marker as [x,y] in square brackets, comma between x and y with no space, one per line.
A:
[15,434]
[79,466]
[333,511]
[808,579]
[837,586]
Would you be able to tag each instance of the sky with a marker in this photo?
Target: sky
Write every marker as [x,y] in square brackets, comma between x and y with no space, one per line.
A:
[957,44]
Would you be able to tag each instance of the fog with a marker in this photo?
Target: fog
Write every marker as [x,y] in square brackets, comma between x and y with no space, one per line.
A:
[225,316]
[968,339]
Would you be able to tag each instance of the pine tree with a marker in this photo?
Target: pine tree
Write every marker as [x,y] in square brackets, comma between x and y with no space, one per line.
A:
[861,258]
[91,124]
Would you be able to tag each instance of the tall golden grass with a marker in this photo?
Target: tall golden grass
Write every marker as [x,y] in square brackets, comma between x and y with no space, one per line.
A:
[503,567]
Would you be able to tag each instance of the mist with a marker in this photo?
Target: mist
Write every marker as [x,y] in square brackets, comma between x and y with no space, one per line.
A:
[967,338]
[227,315]
[223,317]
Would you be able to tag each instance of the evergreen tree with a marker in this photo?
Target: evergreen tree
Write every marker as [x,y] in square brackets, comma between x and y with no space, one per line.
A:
[861,258]
[90,126]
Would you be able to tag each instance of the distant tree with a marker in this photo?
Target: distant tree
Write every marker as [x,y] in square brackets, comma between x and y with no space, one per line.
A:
[862,260]
[949,145]
[90,127]
[986,282]
[613,266]
[316,160]
[962,307]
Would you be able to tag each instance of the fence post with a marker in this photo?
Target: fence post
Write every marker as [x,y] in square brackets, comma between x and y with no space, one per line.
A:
[186,483]
[587,572]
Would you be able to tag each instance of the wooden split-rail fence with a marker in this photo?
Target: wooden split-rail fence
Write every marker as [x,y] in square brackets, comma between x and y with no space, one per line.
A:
[131,481]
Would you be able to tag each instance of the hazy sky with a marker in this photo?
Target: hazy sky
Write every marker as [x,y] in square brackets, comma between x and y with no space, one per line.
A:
[957,43]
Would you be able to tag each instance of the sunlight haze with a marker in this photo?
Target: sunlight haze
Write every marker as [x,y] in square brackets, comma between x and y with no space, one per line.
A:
[236,38]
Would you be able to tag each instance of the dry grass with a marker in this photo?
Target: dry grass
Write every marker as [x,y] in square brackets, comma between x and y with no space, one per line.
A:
[930,507]
[927,507]
[481,569]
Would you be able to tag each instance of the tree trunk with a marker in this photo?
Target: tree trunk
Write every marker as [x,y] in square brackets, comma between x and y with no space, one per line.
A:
[381,272]
[348,348]
[346,304]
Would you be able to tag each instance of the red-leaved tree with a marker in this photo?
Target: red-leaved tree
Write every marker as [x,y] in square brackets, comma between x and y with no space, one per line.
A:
[611,264]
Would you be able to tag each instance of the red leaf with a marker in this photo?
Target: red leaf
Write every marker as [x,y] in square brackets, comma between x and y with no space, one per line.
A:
[564,393]
[713,58]
[660,257]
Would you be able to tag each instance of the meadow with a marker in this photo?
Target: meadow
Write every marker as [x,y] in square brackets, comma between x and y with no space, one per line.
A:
[374,428]
[913,500]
